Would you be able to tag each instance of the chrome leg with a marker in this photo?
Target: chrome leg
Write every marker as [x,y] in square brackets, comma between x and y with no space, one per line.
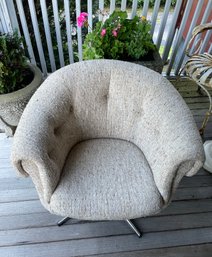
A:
[130,223]
[138,233]
[64,220]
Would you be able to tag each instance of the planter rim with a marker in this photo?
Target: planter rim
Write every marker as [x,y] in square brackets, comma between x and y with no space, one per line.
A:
[38,77]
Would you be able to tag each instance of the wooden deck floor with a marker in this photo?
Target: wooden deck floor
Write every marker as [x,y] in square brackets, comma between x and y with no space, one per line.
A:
[184,229]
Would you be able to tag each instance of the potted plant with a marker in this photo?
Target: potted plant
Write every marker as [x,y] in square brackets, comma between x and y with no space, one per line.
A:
[121,38]
[18,81]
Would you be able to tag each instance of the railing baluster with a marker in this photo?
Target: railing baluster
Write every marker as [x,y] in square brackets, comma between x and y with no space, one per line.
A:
[145,8]
[210,50]
[37,35]
[205,42]
[112,5]
[192,25]
[25,30]
[163,23]
[90,14]
[58,32]
[1,26]
[155,15]
[168,45]
[5,19]
[205,17]
[171,32]
[179,36]
[134,8]
[13,16]
[101,8]
[79,31]
[69,30]
[123,5]
[48,34]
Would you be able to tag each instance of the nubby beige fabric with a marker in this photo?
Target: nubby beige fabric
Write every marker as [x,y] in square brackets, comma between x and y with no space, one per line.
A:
[104,178]
[106,139]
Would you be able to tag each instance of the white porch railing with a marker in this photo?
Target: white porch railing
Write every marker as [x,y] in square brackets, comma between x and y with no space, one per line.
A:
[168,37]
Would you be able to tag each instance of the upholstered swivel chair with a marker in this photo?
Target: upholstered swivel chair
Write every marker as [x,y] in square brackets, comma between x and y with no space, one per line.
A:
[106,140]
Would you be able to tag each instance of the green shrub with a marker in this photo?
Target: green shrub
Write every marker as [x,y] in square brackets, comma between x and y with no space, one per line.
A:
[14,73]
[119,38]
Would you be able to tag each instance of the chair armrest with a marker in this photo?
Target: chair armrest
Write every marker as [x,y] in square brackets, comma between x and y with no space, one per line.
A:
[168,137]
[29,156]
[197,30]
[44,136]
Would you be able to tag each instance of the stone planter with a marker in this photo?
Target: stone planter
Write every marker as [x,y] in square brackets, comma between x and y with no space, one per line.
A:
[13,104]
[156,64]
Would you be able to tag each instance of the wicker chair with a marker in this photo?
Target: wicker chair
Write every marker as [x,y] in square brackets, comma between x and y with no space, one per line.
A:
[106,140]
[199,68]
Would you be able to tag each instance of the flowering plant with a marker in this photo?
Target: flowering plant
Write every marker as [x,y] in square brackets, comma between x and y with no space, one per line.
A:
[117,38]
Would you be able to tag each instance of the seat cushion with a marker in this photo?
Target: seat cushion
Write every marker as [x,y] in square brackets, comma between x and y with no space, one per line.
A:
[106,179]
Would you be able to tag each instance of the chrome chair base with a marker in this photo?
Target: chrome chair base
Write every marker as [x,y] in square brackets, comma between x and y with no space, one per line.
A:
[134,228]
[129,222]
[64,220]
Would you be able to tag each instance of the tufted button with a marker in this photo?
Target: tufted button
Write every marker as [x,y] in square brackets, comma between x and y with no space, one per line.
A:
[51,154]
[57,130]
[105,97]
[71,109]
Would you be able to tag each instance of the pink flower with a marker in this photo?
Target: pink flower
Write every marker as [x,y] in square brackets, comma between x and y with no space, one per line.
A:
[115,33]
[103,32]
[82,19]
[84,14]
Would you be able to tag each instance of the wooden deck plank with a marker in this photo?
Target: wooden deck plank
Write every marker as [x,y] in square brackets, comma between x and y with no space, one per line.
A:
[44,219]
[196,181]
[195,193]
[15,195]
[203,250]
[185,207]
[111,244]
[22,207]
[15,183]
[102,229]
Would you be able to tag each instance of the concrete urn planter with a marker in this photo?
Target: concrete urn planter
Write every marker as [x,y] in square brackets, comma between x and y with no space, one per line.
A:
[13,104]
[156,64]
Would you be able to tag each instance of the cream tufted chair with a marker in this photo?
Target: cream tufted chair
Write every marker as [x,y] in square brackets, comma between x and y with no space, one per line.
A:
[106,140]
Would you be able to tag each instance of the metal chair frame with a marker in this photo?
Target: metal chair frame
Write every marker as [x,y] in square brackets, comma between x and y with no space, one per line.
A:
[199,68]
[129,222]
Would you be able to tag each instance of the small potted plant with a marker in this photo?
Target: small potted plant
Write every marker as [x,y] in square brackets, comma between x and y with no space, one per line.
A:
[121,38]
[18,81]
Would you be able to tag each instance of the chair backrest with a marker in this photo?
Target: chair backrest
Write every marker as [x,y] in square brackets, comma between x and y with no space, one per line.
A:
[102,98]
